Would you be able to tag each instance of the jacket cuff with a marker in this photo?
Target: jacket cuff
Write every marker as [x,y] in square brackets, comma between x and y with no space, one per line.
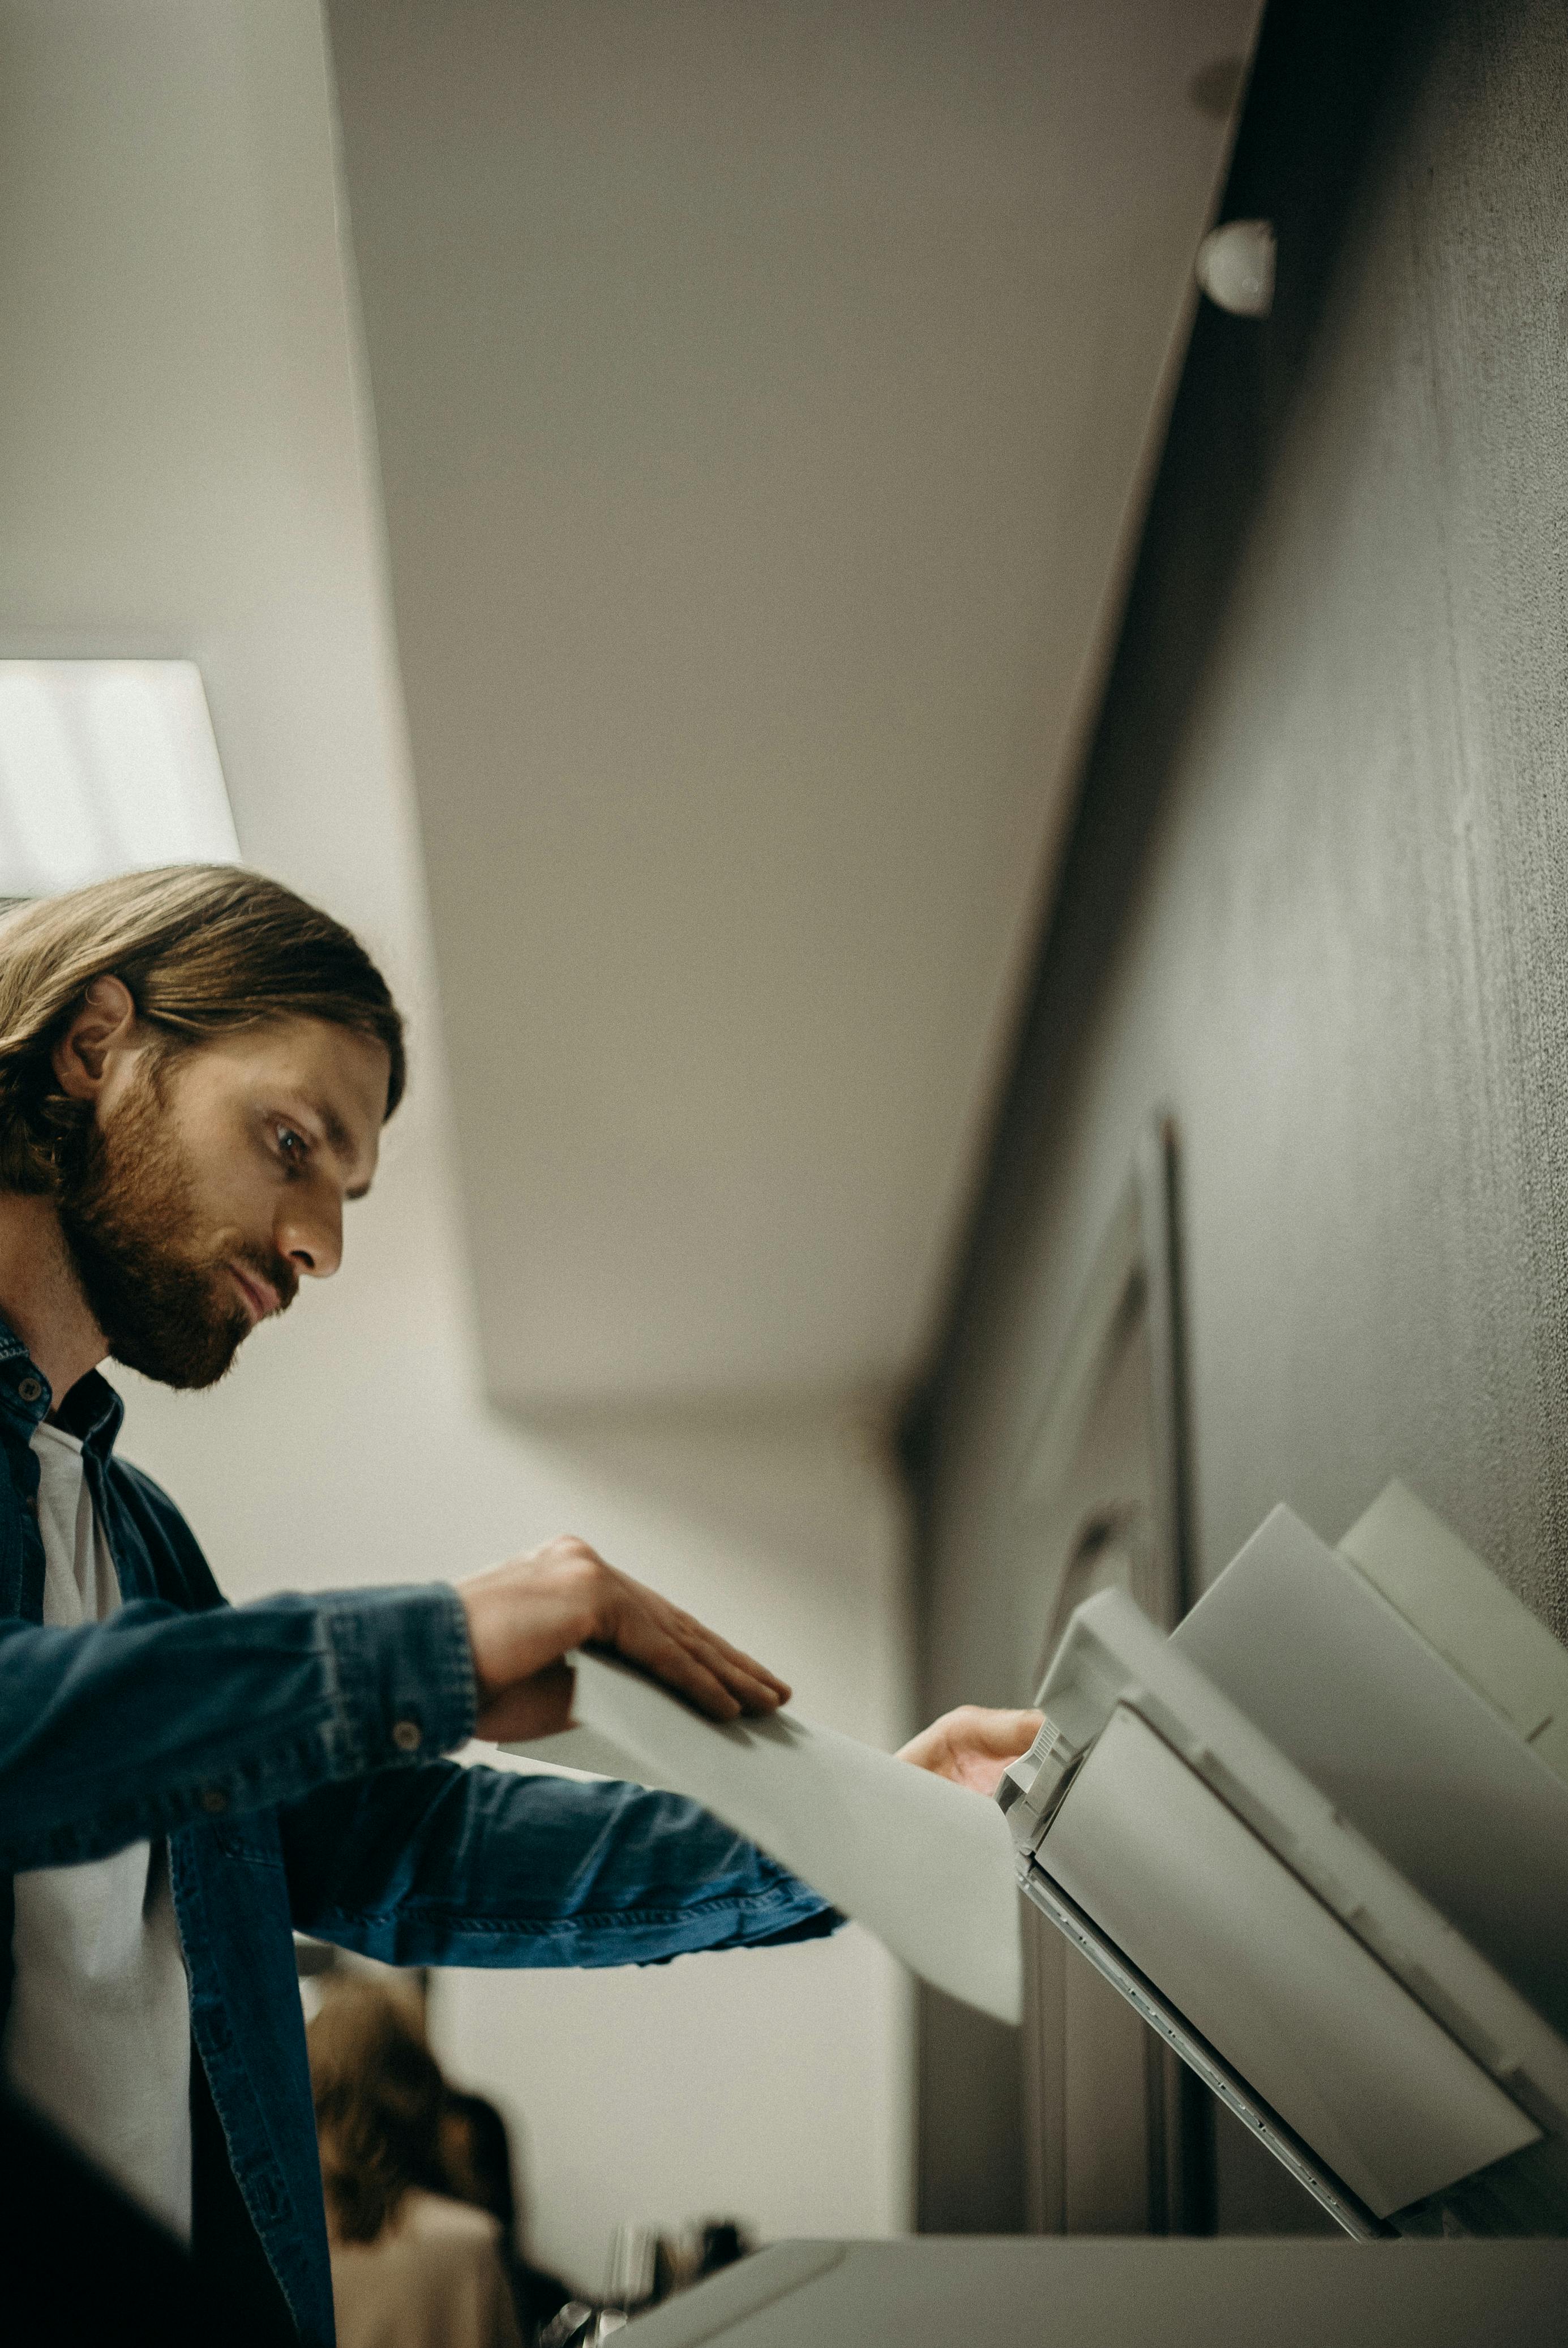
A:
[404,1675]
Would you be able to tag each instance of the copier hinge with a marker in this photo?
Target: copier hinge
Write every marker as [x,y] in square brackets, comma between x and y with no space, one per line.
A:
[1032,1787]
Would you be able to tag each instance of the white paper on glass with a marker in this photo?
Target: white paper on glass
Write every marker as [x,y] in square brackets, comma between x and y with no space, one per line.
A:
[925,1865]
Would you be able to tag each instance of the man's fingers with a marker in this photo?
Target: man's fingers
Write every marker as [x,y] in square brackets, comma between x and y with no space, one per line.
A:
[641,1634]
[737,1666]
[696,1669]
[673,1643]
[738,1670]
[972,1745]
[753,1688]
[1004,1734]
[682,1670]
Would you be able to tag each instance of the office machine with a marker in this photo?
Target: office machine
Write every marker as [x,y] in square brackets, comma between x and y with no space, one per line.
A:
[1030,2291]
[1318,1838]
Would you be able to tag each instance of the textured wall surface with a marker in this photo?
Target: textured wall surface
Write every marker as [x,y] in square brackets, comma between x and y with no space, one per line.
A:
[1316,902]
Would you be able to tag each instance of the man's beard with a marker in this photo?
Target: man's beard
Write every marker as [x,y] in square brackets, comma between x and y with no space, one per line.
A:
[124,1204]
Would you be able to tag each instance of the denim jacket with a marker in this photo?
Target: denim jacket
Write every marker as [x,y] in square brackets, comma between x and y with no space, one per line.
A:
[288,1750]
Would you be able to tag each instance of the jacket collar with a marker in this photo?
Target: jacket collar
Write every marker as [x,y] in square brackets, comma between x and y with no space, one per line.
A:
[25,1398]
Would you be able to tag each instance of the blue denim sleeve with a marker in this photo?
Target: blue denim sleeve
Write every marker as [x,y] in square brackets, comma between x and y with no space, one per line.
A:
[136,1726]
[459,1866]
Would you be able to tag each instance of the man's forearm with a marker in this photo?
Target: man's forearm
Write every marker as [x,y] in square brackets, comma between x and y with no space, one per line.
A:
[154,1718]
[484,1867]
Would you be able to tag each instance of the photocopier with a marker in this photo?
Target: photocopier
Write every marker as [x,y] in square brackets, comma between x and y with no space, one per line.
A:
[1318,1838]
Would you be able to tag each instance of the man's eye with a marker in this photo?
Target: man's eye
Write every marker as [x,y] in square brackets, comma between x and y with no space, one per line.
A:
[292,1146]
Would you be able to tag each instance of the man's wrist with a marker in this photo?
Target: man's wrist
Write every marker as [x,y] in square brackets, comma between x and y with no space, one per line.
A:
[476,1603]
[524,1616]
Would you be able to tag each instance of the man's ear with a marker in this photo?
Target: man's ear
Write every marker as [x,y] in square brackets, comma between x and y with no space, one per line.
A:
[104,1027]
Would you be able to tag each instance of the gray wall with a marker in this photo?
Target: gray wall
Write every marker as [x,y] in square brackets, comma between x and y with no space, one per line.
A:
[1315,899]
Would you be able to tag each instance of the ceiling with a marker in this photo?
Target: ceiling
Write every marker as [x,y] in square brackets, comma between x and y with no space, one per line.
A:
[763,397]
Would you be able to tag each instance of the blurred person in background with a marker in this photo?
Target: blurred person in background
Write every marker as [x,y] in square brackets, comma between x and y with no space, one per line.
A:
[477,2162]
[412,2265]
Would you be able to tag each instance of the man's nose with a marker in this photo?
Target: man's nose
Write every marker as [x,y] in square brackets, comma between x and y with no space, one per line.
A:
[312,1239]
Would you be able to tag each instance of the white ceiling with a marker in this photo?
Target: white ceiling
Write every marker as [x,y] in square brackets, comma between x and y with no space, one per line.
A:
[763,394]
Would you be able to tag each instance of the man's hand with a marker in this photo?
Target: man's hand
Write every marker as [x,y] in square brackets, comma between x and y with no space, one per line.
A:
[973,1747]
[525,1616]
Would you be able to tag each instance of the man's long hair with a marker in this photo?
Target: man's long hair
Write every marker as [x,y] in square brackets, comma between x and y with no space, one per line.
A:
[202,950]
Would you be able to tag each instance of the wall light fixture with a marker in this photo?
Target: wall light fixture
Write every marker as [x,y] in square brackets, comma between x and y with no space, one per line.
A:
[105,766]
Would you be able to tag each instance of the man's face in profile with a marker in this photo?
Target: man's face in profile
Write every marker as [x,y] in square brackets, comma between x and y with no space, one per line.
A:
[211,1181]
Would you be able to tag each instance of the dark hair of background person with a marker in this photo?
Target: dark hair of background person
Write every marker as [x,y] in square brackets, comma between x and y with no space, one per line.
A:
[203,950]
[476,2157]
[721,2243]
[379,2097]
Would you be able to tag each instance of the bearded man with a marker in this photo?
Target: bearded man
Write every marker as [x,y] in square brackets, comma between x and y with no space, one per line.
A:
[195,1067]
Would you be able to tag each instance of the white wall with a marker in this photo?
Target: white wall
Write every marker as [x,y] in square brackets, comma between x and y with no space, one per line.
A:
[184,468]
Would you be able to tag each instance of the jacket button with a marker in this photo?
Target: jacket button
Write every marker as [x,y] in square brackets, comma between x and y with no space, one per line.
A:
[29,1388]
[408,1736]
[214,1800]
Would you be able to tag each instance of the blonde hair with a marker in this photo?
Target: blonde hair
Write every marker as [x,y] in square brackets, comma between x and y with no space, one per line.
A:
[202,949]
[379,2096]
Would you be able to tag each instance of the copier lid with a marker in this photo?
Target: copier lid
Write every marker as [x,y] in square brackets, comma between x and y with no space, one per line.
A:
[1399,1743]
[1289,1943]
[1271,1977]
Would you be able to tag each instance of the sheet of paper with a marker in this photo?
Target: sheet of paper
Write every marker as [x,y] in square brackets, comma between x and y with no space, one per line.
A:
[923,1864]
